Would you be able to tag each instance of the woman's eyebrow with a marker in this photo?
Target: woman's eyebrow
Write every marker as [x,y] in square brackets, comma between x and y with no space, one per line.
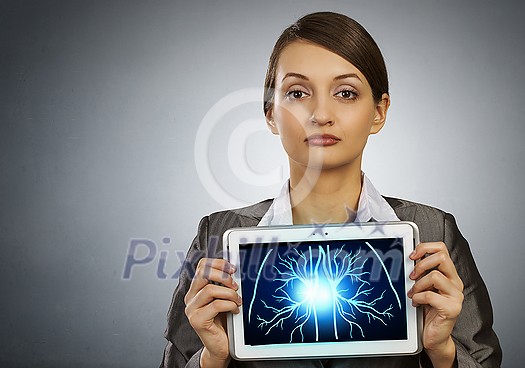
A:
[348,75]
[296,75]
[304,77]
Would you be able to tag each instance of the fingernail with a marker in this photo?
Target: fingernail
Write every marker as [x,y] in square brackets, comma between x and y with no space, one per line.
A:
[239,299]
[413,274]
[412,254]
[234,284]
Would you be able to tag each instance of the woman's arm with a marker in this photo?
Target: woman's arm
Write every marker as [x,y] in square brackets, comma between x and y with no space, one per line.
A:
[476,343]
[458,315]
[184,347]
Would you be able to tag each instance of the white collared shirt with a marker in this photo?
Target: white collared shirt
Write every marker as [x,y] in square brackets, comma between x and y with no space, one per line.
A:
[371,207]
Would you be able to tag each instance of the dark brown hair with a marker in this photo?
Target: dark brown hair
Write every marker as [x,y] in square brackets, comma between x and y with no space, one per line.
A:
[341,35]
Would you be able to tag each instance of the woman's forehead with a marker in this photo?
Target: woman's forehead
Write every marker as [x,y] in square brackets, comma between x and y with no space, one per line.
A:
[312,60]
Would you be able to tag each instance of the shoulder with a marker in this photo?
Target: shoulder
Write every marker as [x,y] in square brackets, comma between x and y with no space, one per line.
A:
[252,212]
[432,222]
[404,206]
[238,217]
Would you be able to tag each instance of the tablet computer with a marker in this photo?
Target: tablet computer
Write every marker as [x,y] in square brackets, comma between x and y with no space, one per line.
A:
[314,291]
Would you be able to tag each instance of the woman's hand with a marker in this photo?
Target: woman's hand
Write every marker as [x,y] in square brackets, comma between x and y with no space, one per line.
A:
[205,306]
[439,290]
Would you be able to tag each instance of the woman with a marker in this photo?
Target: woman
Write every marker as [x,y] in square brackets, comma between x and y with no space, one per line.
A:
[326,91]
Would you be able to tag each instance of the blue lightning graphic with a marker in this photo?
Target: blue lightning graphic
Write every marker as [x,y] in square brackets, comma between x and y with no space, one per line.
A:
[320,283]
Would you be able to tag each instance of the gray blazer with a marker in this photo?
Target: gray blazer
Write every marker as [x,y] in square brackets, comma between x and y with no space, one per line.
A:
[476,342]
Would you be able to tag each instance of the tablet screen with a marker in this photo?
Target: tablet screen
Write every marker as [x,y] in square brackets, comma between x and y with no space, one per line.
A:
[323,291]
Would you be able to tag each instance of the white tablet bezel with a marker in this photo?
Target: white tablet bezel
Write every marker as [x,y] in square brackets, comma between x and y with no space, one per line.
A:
[408,231]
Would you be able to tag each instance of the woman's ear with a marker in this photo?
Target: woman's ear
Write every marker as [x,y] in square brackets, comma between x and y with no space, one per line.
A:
[270,122]
[380,114]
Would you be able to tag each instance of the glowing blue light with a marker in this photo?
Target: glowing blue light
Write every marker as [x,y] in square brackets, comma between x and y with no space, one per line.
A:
[323,286]
[316,291]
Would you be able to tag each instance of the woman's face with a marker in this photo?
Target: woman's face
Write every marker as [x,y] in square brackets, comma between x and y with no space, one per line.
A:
[323,107]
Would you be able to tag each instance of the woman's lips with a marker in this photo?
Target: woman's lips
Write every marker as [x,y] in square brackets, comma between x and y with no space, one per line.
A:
[322,140]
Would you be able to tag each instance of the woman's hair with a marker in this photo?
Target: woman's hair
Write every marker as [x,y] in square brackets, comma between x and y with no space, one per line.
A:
[341,35]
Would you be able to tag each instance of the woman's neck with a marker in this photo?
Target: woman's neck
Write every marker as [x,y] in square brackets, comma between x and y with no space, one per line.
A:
[326,195]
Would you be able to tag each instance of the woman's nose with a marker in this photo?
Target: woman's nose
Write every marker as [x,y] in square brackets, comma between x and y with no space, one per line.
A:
[321,113]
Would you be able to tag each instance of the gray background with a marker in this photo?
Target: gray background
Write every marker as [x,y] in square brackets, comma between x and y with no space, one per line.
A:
[101,102]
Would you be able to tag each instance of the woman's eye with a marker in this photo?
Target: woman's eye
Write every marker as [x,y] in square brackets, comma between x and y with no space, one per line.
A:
[347,94]
[296,94]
